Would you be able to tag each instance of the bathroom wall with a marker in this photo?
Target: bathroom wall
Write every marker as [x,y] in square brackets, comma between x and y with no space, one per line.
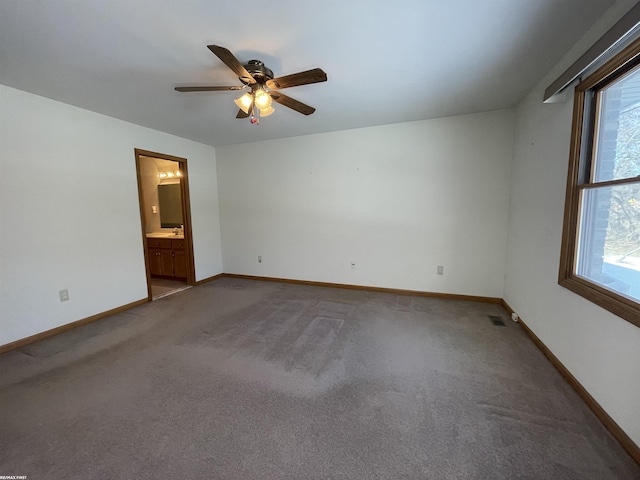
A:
[149,169]
[149,180]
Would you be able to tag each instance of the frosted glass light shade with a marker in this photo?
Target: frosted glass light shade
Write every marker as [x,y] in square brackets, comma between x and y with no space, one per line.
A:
[244,102]
[265,112]
[263,99]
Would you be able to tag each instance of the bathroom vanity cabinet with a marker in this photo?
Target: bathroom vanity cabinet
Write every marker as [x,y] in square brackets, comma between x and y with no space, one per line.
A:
[167,257]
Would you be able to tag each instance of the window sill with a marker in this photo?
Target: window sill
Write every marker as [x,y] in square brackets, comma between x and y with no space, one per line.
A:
[616,304]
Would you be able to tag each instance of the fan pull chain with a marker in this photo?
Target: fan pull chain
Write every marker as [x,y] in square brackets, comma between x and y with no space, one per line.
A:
[254,119]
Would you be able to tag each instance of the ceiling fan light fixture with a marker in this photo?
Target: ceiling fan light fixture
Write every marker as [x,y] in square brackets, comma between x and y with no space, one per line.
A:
[263,99]
[244,102]
[265,112]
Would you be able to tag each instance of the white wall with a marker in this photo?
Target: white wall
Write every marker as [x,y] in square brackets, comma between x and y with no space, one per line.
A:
[397,199]
[69,212]
[600,349]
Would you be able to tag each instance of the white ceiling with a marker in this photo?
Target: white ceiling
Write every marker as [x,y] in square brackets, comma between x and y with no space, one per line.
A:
[387,61]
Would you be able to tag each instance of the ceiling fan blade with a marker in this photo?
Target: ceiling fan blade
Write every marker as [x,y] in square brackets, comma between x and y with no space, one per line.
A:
[302,78]
[292,103]
[232,62]
[207,89]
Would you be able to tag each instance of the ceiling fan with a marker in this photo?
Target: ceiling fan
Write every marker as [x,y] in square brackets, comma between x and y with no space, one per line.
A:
[264,89]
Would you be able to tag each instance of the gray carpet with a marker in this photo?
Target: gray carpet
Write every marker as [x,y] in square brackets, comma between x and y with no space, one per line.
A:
[240,379]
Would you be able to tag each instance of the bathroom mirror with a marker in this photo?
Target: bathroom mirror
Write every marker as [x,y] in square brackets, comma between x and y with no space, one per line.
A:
[170,202]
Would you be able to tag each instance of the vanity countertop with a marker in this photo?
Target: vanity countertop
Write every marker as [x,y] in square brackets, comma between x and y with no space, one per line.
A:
[165,235]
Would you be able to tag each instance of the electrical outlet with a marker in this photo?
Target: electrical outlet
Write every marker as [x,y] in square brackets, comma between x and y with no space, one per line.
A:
[514,317]
[353,264]
[440,269]
[259,258]
[64,295]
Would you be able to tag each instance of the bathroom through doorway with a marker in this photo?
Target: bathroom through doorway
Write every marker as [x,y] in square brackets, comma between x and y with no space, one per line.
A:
[165,216]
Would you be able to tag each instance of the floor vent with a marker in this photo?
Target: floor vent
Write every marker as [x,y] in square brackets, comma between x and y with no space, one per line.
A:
[497,321]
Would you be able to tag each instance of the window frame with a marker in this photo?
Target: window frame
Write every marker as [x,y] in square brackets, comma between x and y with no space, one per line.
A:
[583,132]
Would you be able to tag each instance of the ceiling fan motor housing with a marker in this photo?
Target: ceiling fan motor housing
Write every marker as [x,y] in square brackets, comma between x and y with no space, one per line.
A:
[258,71]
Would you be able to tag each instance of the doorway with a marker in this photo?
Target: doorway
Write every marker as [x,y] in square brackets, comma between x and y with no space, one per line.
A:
[165,215]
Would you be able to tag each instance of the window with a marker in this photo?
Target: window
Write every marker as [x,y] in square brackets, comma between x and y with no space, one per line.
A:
[600,257]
